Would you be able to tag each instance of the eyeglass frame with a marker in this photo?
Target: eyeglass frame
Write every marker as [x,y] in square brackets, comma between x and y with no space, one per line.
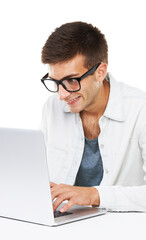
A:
[60,82]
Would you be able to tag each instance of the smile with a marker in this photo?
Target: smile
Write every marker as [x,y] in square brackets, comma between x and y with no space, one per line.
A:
[73,100]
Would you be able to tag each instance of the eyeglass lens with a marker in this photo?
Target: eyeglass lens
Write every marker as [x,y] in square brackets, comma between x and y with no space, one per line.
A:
[70,84]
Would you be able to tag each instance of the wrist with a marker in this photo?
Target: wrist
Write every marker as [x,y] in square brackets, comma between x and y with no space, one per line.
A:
[95,197]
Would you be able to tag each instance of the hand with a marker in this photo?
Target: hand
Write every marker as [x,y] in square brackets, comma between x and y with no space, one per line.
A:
[83,196]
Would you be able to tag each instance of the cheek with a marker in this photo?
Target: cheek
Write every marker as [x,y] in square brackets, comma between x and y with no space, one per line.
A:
[89,89]
[85,87]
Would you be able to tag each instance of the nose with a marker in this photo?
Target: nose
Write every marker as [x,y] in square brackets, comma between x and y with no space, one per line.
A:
[63,93]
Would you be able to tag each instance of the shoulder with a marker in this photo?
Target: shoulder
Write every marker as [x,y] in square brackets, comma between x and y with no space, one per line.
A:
[54,105]
[54,100]
[126,92]
[124,101]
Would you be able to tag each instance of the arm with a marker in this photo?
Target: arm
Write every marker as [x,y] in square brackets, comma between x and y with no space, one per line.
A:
[121,198]
[127,198]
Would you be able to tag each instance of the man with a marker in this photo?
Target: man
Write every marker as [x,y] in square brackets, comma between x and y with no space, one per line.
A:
[94,126]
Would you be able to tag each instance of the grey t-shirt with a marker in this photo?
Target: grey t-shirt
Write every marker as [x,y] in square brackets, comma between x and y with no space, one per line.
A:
[90,172]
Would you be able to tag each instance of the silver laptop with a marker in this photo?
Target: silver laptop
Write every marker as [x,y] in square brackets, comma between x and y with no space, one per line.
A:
[24,181]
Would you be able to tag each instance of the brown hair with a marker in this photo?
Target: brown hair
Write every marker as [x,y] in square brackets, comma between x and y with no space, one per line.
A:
[75,38]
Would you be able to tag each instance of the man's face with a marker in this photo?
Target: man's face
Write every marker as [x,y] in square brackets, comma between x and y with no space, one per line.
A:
[87,96]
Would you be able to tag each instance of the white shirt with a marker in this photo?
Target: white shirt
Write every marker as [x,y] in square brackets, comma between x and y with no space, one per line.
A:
[122,143]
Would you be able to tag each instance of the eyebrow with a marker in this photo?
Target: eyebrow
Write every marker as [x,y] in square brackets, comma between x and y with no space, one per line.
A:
[66,77]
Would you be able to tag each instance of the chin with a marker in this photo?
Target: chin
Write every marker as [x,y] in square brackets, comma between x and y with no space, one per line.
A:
[75,110]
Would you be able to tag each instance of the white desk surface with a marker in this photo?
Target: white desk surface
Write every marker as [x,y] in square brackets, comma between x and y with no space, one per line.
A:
[110,227]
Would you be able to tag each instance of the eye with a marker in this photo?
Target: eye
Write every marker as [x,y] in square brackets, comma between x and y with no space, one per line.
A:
[71,81]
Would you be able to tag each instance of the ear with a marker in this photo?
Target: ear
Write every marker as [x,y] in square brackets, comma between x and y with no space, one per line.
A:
[101,72]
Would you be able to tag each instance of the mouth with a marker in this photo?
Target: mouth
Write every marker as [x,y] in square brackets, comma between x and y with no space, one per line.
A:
[73,100]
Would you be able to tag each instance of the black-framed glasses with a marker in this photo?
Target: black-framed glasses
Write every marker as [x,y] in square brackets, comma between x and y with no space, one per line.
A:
[70,84]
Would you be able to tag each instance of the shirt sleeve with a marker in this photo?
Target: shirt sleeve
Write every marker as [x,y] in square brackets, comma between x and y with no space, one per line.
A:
[127,198]
[43,123]
[121,198]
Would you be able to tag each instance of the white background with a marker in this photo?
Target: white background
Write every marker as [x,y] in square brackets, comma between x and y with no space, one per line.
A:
[26,25]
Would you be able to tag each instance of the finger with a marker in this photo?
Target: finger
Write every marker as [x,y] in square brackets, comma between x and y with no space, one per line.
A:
[67,206]
[52,184]
[59,200]
[59,189]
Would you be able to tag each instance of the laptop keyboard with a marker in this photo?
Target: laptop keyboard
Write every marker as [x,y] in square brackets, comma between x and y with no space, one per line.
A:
[59,214]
